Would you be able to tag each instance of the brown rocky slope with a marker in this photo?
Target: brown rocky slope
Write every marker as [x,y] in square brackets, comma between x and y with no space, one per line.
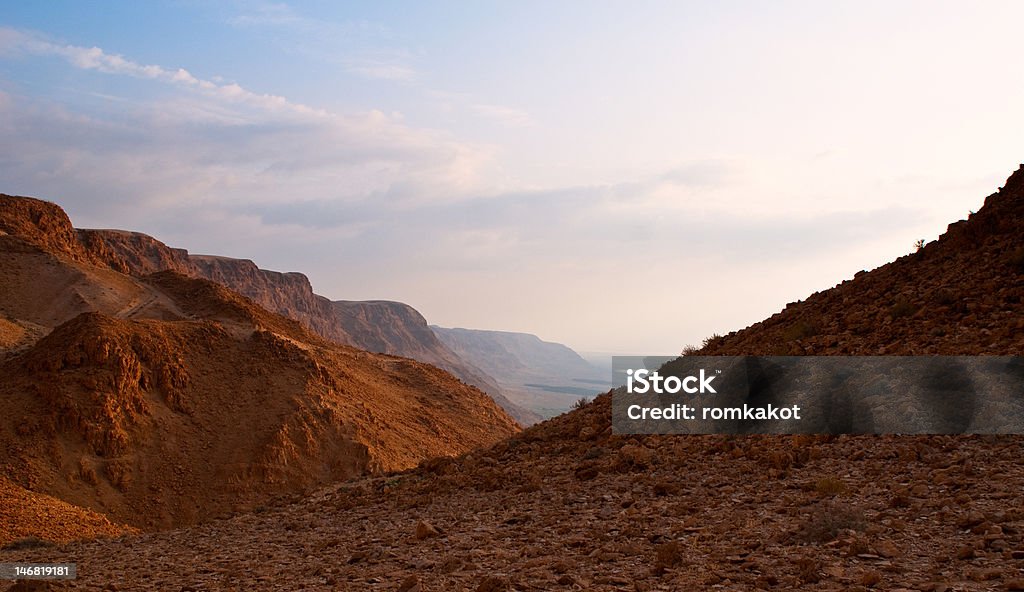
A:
[166,400]
[567,505]
[378,326]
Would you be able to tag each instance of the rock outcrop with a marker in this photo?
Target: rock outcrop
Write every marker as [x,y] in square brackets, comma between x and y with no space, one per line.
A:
[163,400]
[379,326]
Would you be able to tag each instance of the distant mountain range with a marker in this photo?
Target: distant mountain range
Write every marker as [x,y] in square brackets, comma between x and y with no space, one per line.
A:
[542,376]
[378,326]
[529,378]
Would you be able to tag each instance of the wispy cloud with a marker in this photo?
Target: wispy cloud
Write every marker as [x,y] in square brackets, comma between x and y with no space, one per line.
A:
[94,58]
[508,116]
[200,141]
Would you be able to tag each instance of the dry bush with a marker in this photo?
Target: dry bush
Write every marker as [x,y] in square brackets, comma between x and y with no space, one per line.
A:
[802,329]
[903,308]
[26,543]
[828,519]
[830,486]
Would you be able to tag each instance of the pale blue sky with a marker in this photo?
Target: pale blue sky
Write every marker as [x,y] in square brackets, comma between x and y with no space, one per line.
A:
[625,177]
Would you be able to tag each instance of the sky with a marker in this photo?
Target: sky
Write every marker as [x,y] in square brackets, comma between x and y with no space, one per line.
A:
[626,177]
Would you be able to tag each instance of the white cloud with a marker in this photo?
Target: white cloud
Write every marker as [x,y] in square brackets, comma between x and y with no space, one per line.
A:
[94,58]
[194,140]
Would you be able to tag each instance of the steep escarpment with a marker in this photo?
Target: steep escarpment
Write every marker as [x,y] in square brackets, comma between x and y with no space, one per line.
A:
[379,326]
[288,294]
[399,329]
[163,399]
[41,224]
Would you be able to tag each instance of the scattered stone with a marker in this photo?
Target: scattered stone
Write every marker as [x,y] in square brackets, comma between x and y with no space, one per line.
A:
[972,519]
[887,549]
[425,530]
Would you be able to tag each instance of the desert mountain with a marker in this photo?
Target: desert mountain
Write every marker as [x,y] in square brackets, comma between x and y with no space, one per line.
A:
[961,294]
[378,326]
[568,505]
[163,399]
[540,375]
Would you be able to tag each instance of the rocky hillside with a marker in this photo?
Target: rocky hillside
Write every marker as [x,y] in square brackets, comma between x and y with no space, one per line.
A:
[399,329]
[164,400]
[543,376]
[961,294]
[378,326]
[568,505]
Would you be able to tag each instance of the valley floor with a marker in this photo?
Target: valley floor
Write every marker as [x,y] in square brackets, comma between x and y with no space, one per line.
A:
[603,512]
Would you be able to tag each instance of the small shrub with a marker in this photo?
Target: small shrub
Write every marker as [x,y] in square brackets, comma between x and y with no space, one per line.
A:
[689,350]
[903,308]
[710,340]
[828,519]
[27,543]
[830,486]
[918,244]
[801,329]
[580,403]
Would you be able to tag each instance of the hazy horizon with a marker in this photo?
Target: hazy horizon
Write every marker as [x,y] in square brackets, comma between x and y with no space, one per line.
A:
[617,178]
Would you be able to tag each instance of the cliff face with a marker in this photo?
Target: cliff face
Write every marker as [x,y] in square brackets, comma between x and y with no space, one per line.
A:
[378,326]
[42,225]
[398,329]
[289,294]
[133,252]
[163,399]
